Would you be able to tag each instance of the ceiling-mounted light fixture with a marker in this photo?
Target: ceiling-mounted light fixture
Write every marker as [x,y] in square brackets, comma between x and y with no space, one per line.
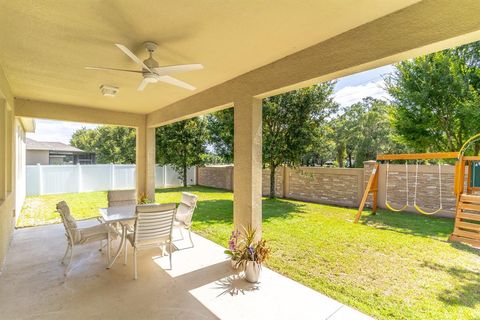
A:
[108,91]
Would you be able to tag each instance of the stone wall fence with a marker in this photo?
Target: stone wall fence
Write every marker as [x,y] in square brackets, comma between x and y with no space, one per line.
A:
[338,186]
[345,186]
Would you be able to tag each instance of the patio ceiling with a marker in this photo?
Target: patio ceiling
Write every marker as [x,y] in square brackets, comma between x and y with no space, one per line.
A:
[45,45]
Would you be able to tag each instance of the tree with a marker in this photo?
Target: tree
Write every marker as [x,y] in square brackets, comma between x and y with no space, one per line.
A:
[290,123]
[220,128]
[436,104]
[322,148]
[374,130]
[110,144]
[182,145]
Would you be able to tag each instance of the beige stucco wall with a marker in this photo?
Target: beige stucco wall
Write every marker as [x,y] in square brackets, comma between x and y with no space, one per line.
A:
[37,156]
[7,167]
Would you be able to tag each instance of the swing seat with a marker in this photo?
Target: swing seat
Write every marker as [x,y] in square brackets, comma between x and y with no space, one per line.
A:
[394,209]
[426,212]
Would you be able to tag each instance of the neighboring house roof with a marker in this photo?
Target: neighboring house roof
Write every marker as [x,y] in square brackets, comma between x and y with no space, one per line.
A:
[51,146]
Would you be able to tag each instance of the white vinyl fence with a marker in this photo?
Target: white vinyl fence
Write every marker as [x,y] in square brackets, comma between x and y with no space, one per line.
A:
[56,179]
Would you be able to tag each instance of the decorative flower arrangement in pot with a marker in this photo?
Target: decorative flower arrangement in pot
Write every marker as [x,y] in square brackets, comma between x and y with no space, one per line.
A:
[247,254]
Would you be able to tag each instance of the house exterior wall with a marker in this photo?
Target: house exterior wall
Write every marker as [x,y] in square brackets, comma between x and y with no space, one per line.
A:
[37,156]
[7,171]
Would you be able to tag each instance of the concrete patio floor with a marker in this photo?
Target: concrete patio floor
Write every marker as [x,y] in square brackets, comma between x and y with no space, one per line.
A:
[201,285]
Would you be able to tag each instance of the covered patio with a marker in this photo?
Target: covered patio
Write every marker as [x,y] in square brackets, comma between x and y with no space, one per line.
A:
[201,285]
[250,51]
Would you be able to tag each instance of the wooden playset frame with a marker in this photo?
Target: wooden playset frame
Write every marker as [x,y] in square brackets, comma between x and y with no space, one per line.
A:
[467,213]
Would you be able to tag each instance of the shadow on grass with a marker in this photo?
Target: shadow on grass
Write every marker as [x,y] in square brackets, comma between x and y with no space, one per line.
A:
[215,211]
[466,292]
[411,223]
[192,189]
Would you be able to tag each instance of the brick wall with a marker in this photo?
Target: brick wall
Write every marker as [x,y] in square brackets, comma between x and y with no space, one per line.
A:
[326,185]
[322,185]
[216,176]
[345,187]
[278,182]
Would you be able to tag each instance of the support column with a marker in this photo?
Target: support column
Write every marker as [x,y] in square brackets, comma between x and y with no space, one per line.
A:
[247,185]
[3,150]
[145,162]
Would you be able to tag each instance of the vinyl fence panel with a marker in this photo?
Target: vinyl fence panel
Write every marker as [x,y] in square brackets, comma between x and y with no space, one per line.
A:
[57,179]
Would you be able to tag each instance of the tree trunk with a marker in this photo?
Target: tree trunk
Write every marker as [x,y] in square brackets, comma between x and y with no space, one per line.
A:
[185,175]
[476,148]
[272,182]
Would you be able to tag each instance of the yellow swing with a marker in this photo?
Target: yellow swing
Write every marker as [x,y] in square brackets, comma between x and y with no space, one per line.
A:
[440,189]
[386,189]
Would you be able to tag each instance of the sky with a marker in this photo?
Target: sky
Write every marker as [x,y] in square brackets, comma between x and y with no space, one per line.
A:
[348,90]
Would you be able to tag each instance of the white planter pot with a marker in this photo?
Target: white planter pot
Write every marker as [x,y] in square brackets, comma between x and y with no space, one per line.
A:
[252,271]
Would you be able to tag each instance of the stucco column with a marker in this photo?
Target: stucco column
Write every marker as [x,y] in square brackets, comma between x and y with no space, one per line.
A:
[247,180]
[3,150]
[145,162]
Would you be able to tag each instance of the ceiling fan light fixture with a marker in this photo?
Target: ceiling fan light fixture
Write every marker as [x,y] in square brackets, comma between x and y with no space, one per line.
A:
[108,90]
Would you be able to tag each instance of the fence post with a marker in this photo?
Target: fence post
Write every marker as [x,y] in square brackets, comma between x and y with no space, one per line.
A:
[165,176]
[79,178]
[112,176]
[286,181]
[40,179]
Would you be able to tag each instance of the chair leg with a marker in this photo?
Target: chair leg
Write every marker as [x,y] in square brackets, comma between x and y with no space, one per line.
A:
[170,254]
[125,252]
[66,253]
[101,246]
[67,268]
[109,245]
[190,236]
[181,233]
[135,263]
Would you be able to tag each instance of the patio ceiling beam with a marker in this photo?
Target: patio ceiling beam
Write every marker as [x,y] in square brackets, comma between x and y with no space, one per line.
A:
[64,112]
[425,27]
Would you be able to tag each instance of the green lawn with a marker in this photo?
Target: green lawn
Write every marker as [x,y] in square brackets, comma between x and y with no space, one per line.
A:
[393,266]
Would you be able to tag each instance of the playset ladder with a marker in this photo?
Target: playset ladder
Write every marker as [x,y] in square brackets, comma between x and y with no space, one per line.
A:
[372,187]
[467,220]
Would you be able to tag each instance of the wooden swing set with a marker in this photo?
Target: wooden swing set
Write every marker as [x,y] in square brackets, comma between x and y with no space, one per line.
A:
[467,213]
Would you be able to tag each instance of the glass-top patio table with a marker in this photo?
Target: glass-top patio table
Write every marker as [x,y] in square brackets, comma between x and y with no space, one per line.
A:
[118,214]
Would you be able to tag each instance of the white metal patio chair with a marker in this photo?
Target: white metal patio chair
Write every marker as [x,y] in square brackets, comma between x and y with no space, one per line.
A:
[117,198]
[184,214]
[78,236]
[153,228]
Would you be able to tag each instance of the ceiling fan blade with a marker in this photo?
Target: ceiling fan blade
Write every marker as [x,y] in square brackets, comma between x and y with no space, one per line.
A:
[132,56]
[177,69]
[111,69]
[143,84]
[176,82]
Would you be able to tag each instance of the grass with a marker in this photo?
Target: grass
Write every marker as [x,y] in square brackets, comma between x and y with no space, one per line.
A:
[392,266]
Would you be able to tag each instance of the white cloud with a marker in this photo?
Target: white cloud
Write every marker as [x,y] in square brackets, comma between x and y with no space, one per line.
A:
[59,131]
[352,94]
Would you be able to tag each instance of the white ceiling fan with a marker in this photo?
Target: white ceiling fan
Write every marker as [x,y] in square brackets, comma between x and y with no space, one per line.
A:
[152,72]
